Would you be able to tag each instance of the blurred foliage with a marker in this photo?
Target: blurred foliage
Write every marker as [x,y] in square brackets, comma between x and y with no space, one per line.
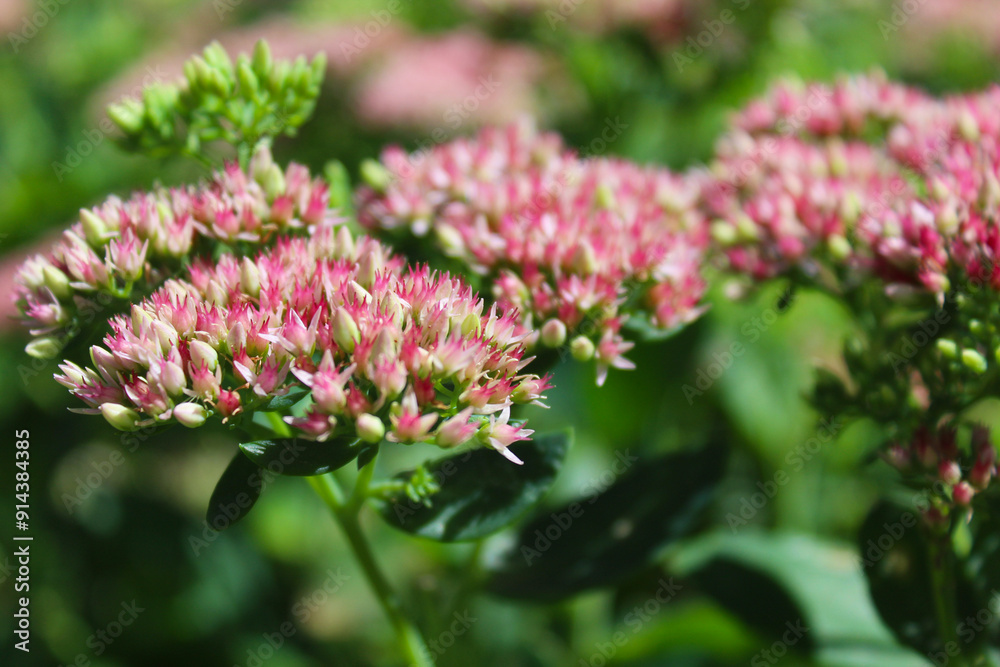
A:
[114,523]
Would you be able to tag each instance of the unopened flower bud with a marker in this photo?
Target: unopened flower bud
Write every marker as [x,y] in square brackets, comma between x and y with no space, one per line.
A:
[471,325]
[962,493]
[273,182]
[191,415]
[949,472]
[584,259]
[249,277]
[449,239]
[345,331]
[46,347]
[723,233]
[582,348]
[370,428]
[203,354]
[94,228]
[553,333]
[375,175]
[974,361]
[604,197]
[56,281]
[947,347]
[840,247]
[967,126]
[122,418]
[172,378]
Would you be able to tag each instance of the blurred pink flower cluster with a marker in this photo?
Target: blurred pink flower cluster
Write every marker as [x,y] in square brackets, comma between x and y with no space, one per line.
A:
[577,246]
[406,354]
[963,471]
[875,176]
[135,243]
[444,83]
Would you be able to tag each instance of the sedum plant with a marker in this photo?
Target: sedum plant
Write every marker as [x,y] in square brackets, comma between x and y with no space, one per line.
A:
[887,199]
[250,301]
[255,301]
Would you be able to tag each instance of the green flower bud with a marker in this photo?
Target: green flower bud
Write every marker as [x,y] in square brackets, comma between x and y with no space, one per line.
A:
[746,227]
[582,348]
[318,69]
[94,228]
[127,115]
[204,354]
[345,330]
[340,185]
[604,197]
[471,325]
[947,347]
[262,61]
[449,239]
[217,57]
[57,281]
[974,361]
[120,417]
[273,182]
[46,347]
[370,428]
[967,126]
[249,277]
[723,233]
[584,259]
[248,80]
[375,175]
[553,333]
[840,247]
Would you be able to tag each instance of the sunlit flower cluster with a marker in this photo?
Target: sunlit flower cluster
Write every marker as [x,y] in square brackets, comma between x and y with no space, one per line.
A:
[577,246]
[874,176]
[410,355]
[127,247]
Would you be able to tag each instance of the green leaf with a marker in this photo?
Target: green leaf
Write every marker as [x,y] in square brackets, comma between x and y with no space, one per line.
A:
[281,403]
[301,458]
[599,540]
[770,579]
[480,491]
[647,332]
[756,598]
[235,494]
[896,555]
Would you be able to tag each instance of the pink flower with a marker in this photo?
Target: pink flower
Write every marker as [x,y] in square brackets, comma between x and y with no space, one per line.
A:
[583,243]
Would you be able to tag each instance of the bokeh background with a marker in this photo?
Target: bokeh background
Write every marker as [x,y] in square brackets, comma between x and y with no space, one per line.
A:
[116,522]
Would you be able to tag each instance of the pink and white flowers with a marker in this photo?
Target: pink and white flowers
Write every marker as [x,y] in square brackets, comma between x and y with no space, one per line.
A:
[410,354]
[127,247]
[577,246]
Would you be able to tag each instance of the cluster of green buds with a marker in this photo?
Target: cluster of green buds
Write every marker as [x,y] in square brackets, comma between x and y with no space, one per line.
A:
[242,103]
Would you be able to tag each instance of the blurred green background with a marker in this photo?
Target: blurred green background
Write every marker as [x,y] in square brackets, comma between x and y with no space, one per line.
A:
[113,523]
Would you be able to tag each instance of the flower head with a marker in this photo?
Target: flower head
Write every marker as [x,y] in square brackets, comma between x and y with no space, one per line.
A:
[133,245]
[577,245]
[380,349]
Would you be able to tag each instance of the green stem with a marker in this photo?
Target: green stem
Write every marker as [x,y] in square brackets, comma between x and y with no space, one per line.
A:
[943,589]
[345,513]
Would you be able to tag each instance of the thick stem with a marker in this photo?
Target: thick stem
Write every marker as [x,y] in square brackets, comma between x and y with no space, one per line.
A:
[346,516]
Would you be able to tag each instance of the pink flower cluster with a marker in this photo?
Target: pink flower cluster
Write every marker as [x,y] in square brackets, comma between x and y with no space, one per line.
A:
[135,244]
[877,177]
[963,471]
[577,246]
[409,355]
